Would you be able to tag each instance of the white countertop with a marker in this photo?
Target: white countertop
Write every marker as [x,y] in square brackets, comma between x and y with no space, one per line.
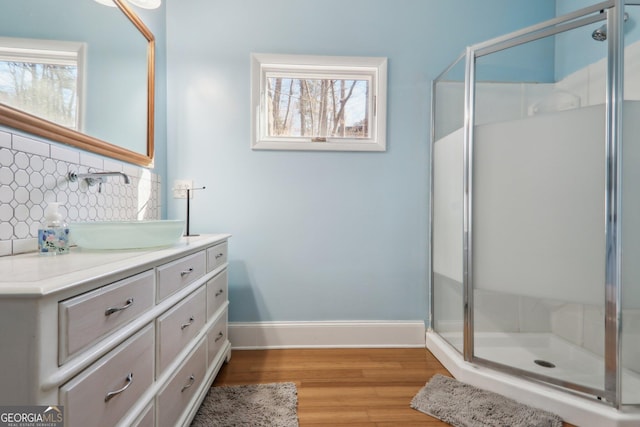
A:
[34,274]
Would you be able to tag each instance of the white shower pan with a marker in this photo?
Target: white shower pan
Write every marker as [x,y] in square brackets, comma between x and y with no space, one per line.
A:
[519,350]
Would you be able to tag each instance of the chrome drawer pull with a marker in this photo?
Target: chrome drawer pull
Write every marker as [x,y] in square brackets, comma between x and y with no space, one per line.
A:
[219,255]
[112,310]
[110,395]
[186,325]
[192,380]
[220,335]
[220,292]
[185,272]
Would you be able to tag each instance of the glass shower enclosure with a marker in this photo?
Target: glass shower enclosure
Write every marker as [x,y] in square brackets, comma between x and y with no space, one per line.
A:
[535,216]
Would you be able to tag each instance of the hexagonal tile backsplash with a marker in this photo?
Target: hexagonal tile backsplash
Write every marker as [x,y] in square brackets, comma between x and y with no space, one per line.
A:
[34,173]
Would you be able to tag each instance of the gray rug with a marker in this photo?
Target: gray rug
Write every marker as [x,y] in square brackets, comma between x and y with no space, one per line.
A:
[463,405]
[256,405]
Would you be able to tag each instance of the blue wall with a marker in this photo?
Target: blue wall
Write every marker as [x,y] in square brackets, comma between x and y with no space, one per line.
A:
[316,236]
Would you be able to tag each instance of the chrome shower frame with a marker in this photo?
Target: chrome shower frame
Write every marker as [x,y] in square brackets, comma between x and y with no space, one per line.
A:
[614,14]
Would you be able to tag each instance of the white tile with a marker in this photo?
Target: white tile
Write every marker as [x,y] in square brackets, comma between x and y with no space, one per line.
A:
[132,171]
[593,328]
[577,84]
[495,312]
[50,182]
[91,161]
[567,322]
[65,154]
[5,247]
[35,226]
[36,163]
[145,174]
[21,178]
[21,160]
[21,230]
[6,231]
[5,139]
[112,166]
[631,339]
[36,213]
[6,176]
[21,195]
[35,179]
[21,246]
[597,83]
[62,198]
[534,94]
[447,303]
[534,315]
[29,145]
[6,194]
[6,158]
[631,70]
[498,101]
[6,212]
[62,168]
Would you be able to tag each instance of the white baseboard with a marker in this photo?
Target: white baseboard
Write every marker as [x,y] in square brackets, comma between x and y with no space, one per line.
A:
[263,335]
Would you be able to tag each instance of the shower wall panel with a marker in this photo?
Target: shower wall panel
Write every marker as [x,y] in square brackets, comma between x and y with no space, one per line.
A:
[538,214]
[447,206]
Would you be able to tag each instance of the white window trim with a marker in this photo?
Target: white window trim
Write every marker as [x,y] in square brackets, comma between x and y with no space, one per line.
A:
[374,68]
[52,52]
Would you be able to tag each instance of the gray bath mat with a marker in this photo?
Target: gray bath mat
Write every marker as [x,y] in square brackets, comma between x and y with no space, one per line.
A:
[463,405]
[257,405]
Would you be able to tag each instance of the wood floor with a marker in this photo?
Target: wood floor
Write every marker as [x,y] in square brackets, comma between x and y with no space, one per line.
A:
[343,387]
[340,387]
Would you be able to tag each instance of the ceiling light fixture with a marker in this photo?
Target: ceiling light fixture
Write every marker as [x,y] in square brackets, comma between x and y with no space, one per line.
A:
[145,4]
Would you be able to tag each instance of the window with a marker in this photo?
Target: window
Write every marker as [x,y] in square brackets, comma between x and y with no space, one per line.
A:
[43,78]
[304,102]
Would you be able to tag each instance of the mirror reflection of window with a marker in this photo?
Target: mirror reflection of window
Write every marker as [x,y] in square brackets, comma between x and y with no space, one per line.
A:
[43,78]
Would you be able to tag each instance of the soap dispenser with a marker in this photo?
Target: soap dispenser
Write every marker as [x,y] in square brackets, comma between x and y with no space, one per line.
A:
[53,235]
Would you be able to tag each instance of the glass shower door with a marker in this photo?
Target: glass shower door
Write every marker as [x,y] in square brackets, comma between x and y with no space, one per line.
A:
[630,336]
[447,205]
[537,215]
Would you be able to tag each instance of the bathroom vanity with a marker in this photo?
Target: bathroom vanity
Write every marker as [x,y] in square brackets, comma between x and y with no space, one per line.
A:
[131,338]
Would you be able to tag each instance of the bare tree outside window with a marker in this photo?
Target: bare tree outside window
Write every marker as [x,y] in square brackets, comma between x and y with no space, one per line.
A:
[318,108]
[46,90]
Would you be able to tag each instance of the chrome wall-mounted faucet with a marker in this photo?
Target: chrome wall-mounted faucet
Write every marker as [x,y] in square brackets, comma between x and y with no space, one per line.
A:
[93,178]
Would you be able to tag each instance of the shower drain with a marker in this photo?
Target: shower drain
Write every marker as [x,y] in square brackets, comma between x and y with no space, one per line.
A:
[544,363]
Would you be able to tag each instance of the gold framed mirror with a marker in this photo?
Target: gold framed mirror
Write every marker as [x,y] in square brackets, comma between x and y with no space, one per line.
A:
[106,146]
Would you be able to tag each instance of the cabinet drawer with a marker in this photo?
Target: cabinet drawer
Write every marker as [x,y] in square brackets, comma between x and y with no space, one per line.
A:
[173,400]
[216,337]
[179,273]
[179,325]
[217,289]
[87,317]
[104,392]
[216,256]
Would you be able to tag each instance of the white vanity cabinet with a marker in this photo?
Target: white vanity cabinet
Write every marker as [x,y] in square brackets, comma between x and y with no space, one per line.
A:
[118,338]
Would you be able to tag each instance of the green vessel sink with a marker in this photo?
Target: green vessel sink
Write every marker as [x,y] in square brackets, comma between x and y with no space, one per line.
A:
[115,235]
